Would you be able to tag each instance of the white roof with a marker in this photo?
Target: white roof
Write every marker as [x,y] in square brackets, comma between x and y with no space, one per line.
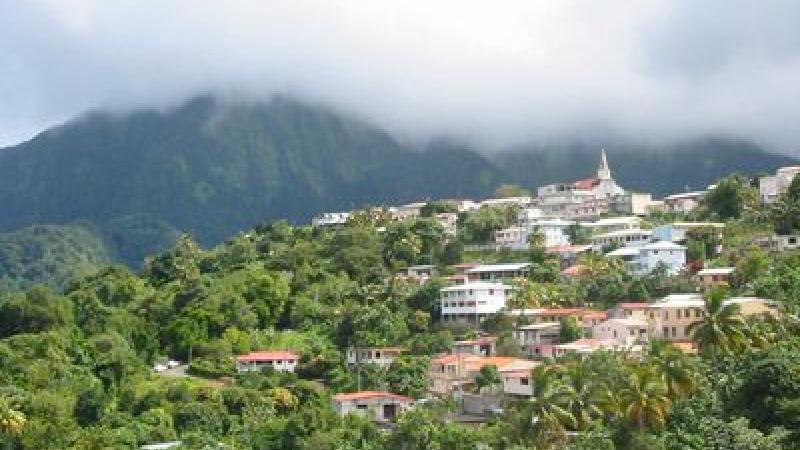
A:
[717,271]
[663,245]
[697,224]
[499,267]
[680,301]
[628,232]
[627,321]
[540,326]
[742,300]
[421,266]
[553,222]
[624,251]
[475,285]
[613,221]
[694,194]
[526,312]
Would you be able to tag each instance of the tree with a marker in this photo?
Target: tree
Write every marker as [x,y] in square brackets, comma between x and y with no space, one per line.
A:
[510,190]
[12,420]
[570,329]
[785,212]
[675,368]
[731,197]
[720,330]
[645,399]
[408,375]
[548,414]
[578,234]
[488,377]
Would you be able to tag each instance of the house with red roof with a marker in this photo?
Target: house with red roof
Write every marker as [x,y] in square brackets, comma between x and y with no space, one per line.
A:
[377,405]
[278,360]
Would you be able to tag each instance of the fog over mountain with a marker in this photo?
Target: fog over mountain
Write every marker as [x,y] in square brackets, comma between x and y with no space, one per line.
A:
[497,74]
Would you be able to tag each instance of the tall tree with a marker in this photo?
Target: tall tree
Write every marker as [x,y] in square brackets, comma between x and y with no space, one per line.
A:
[720,330]
[645,399]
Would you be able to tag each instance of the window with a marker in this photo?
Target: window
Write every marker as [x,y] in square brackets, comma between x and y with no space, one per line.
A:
[697,313]
[633,332]
[491,291]
[665,331]
[666,315]
[615,333]
[674,332]
[678,314]
[377,354]
[361,407]
[523,381]
[687,313]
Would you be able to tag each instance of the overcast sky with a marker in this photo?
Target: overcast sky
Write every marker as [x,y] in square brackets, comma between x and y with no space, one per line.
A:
[499,72]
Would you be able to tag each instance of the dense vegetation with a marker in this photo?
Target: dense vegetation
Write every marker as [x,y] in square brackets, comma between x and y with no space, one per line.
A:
[75,366]
[213,169]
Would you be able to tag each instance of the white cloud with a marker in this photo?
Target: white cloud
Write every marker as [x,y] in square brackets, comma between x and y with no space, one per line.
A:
[497,72]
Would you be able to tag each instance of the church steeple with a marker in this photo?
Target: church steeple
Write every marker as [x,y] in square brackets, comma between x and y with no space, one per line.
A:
[603,171]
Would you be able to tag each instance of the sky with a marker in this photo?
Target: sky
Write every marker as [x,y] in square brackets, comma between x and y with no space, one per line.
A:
[498,73]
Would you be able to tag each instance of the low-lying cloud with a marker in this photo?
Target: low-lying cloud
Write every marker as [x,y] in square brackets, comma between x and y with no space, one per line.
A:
[499,73]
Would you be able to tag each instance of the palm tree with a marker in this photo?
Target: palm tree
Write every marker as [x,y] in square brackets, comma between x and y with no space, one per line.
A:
[721,329]
[645,400]
[581,398]
[674,366]
[548,410]
[488,377]
[12,420]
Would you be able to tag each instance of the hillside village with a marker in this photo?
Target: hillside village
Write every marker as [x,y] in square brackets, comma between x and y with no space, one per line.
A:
[516,322]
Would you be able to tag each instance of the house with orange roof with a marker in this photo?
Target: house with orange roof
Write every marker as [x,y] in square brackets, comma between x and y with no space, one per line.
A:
[278,360]
[376,405]
[632,310]
[457,372]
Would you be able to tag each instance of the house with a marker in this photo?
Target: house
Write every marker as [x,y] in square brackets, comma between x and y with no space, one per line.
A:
[536,339]
[418,273]
[677,231]
[715,277]
[331,219]
[409,211]
[449,223]
[517,383]
[684,202]
[568,254]
[481,346]
[610,224]
[625,332]
[474,301]
[488,272]
[754,306]
[380,356]
[636,203]
[780,243]
[583,346]
[522,202]
[378,406]
[773,186]
[625,310]
[662,253]
[646,258]
[278,360]
[671,316]
[457,372]
[633,237]
[514,237]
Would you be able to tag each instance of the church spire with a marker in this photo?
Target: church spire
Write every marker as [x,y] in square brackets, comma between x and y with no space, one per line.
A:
[603,171]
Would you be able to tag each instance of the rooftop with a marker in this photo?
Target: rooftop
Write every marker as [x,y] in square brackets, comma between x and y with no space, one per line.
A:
[629,322]
[662,245]
[717,271]
[475,285]
[680,301]
[635,305]
[505,267]
[629,232]
[540,326]
[368,395]
[277,355]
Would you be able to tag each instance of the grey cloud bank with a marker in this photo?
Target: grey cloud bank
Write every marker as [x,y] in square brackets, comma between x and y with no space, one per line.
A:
[497,73]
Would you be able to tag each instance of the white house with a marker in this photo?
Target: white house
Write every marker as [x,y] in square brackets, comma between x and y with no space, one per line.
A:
[380,356]
[535,338]
[715,276]
[644,259]
[669,254]
[474,301]
[671,316]
[623,332]
[331,219]
[516,237]
[522,202]
[636,203]
[684,202]
[771,187]
[518,382]
[418,273]
[409,211]
[480,346]
[609,224]
[282,361]
[449,223]
[487,272]
[632,237]
[378,406]
[676,231]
